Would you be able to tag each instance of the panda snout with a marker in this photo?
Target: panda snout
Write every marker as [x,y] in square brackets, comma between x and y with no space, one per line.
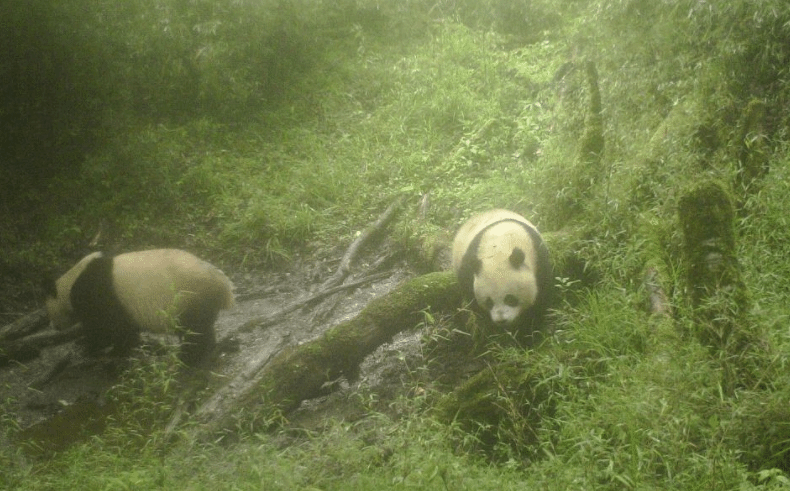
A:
[500,317]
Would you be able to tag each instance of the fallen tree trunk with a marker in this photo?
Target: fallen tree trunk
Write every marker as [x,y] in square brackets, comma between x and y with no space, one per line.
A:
[30,347]
[24,326]
[14,348]
[304,371]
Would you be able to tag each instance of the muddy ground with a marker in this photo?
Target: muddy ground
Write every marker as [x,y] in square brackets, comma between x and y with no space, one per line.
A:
[63,385]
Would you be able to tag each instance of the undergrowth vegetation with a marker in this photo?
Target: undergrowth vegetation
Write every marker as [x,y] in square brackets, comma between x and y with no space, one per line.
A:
[257,132]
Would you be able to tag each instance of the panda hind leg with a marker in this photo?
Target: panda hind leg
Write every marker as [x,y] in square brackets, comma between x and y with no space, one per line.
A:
[125,340]
[99,337]
[199,338]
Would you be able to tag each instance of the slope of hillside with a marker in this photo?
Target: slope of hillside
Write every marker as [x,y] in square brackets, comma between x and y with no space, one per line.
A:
[596,119]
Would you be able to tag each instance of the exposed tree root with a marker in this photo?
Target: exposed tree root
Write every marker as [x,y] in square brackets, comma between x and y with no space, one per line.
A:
[354,249]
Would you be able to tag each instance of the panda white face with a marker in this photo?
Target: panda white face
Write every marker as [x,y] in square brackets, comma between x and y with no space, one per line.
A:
[505,290]
[504,281]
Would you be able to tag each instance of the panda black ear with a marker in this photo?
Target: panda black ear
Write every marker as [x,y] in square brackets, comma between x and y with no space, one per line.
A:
[517,258]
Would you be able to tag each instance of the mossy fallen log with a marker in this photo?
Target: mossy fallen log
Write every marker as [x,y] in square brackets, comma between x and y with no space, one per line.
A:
[305,371]
[274,385]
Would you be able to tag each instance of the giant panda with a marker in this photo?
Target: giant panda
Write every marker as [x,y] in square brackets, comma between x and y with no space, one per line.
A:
[500,259]
[116,297]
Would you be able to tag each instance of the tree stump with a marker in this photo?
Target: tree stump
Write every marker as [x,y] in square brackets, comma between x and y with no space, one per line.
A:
[713,278]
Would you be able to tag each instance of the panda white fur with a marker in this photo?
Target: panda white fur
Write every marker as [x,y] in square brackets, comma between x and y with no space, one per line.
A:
[500,259]
[116,297]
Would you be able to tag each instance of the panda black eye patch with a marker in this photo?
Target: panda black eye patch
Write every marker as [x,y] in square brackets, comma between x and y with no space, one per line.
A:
[517,258]
[511,301]
[489,304]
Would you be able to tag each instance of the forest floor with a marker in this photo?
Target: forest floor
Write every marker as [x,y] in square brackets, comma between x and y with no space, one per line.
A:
[59,397]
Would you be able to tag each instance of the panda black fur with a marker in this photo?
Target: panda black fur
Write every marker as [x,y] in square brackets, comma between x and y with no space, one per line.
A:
[501,260]
[116,297]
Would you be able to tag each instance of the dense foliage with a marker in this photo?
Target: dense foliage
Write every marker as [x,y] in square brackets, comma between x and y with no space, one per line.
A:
[253,131]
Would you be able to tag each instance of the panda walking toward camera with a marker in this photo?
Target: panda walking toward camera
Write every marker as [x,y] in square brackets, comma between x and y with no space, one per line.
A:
[117,297]
[501,260]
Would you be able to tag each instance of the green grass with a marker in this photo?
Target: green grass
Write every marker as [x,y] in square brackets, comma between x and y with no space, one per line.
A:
[428,100]
[440,118]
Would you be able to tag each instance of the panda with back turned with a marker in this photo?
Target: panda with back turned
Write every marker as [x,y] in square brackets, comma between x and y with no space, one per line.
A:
[501,260]
[117,297]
